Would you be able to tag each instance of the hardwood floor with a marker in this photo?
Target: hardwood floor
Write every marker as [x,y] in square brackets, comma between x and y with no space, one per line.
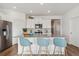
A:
[12,51]
[72,50]
[69,51]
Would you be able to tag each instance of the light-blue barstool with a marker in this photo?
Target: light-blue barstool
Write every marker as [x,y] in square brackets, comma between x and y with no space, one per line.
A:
[25,43]
[59,42]
[43,43]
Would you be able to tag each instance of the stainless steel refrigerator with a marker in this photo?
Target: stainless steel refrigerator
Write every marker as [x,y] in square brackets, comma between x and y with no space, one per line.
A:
[5,35]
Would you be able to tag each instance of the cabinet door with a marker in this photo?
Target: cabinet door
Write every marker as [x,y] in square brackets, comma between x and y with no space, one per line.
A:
[1,23]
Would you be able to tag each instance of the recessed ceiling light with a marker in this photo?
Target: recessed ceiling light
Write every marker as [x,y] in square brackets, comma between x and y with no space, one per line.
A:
[48,11]
[14,7]
[31,11]
[41,3]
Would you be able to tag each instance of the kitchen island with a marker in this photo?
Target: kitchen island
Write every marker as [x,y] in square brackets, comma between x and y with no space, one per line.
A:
[35,47]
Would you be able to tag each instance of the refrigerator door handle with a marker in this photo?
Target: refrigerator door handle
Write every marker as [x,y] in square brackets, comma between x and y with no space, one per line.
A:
[7,32]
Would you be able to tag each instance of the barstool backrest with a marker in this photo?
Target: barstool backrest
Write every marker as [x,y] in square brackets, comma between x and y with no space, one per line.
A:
[24,42]
[59,41]
[43,42]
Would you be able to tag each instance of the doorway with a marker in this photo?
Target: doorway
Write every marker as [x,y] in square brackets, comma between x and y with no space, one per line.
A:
[55,27]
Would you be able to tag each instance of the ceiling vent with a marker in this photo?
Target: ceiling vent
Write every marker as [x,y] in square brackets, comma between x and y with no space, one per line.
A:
[30,17]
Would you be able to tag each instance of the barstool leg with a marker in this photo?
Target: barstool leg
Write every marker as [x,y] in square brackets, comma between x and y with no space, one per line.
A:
[22,51]
[30,50]
[65,52]
[39,50]
[47,52]
[54,50]
[61,51]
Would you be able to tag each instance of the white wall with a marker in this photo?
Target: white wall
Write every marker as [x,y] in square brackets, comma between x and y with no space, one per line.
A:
[17,19]
[69,20]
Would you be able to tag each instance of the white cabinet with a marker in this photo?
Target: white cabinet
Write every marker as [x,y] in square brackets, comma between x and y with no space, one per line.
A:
[46,24]
[31,23]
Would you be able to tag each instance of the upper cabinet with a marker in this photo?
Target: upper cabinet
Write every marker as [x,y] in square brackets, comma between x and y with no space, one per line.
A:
[2,16]
[30,23]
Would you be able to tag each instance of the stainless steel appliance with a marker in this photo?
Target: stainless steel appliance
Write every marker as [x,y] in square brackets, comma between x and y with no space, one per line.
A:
[5,35]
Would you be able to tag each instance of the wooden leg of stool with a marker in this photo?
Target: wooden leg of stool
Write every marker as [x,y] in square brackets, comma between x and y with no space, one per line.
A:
[30,50]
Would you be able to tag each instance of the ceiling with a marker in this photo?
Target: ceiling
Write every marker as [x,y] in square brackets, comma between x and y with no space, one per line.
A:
[40,9]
